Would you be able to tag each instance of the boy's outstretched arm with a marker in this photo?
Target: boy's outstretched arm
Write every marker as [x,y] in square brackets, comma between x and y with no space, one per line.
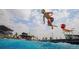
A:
[44,19]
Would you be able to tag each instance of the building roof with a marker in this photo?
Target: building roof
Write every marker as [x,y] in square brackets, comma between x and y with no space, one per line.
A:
[4,28]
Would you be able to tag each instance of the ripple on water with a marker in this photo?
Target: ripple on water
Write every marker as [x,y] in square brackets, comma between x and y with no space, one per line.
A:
[25,44]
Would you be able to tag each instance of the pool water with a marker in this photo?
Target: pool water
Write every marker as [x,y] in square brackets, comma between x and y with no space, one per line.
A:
[25,44]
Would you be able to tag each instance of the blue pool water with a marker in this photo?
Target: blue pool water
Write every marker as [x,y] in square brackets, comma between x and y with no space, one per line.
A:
[25,44]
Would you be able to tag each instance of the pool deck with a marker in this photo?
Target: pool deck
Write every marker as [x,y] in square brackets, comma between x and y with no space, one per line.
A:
[71,41]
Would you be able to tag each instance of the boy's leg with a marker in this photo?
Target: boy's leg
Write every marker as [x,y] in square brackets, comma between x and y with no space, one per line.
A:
[52,26]
[50,23]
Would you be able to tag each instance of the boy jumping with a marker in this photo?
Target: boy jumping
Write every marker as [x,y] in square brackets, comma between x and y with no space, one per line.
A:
[49,17]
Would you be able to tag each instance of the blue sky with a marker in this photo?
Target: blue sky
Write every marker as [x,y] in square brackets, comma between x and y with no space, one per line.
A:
[30,20]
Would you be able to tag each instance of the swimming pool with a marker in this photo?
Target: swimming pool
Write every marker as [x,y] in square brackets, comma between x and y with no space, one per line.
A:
[26,44]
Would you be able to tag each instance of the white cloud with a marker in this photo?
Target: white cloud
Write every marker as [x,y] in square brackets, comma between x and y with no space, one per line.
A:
[24,14]
[20,27]
[60,14]
[5,18]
